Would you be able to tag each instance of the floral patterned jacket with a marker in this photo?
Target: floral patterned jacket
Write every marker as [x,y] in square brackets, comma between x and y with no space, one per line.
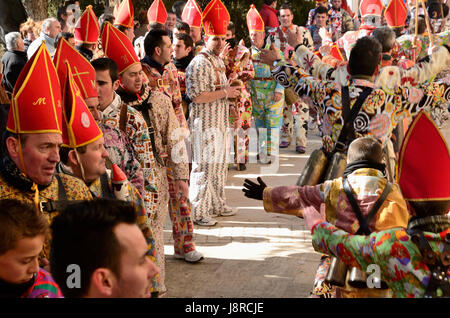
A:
[380,113]
[400,261]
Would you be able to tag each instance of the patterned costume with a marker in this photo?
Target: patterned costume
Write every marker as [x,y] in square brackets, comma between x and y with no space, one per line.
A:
[239,62]
[340,21]
[295,117]
[165,80]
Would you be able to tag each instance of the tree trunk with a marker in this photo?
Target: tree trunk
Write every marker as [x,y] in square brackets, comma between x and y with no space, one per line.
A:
[36,9]
[12,14]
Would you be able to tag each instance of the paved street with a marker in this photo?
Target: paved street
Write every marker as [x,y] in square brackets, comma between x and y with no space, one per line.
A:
[254,253]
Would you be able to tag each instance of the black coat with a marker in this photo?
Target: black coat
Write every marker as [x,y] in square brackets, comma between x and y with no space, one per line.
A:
[13,63]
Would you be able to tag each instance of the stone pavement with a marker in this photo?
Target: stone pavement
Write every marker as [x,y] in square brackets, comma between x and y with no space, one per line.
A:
[253,254]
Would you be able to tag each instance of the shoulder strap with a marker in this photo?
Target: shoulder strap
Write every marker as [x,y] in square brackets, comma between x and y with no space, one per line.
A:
[364,222]
[349,115]
[62,202]
[106,190]
[123,118]
[216,69]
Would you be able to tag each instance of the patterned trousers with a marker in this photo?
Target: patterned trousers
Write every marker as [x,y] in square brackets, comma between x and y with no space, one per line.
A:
[295,121]
[241,139]
[180,215]
[267,115]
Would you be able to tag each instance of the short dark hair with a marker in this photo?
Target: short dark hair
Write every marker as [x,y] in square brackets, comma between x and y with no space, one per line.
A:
[186,38]
[154,39]
[65,35]
[180,25]
[121,28]
[64,153]
[19,220]
[83,234]
[178,6]
[285,6]
[320,10]
[231,27]
[429,208]
[103,64]
[269,2]
[365,148]
[365,56]
[105,17]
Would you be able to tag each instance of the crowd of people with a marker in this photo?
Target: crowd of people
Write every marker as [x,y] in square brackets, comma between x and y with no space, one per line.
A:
[111,124]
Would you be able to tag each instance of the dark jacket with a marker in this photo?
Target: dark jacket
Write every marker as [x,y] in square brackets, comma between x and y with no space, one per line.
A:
[88,54]
[13,63]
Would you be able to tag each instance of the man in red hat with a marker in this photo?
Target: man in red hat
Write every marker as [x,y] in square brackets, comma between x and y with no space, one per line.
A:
[84,155]
[32,142]
[124,18]
[86,33]
[116,141]
[208,89]
[192,15]
[161,125]
[413,262]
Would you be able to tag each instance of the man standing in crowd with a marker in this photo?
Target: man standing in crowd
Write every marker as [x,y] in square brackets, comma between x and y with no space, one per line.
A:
[124,19]
[32,142]
[269,14]
[105,241]
[192,15]
[13,60]
[170,23]
[86,33]
[50,29]
[208,90]
[320,19]
[267,95]
[340,19]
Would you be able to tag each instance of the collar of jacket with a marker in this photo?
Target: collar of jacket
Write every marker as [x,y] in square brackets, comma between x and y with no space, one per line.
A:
[150,61]
[183,63]
[48,40]
[85,52]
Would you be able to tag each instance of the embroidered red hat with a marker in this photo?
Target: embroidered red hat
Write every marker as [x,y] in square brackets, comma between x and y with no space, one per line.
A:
[192,14]
[215,19]
[396,13]
[157,12]
[424,162]
[371,7]
[118,176]
[79,127]
[117,46]
[124,14]
[254,20]
[336,52]
[87,29]
[36,99]
[83,72]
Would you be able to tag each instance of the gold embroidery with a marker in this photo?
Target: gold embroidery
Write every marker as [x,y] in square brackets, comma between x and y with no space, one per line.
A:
[40,101]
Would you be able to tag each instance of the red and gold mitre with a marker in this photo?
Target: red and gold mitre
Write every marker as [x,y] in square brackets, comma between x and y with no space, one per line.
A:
[336,52]
[124,14]
[424,162]
[157,12]
[83,72]
[371,7]
[215,19]
[254,20]
[79,127]
[396,13]
[192,14]
[117,46]
[87,29]
[36,99]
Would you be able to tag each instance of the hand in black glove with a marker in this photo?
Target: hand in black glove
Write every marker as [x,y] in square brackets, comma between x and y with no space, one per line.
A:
[253,190]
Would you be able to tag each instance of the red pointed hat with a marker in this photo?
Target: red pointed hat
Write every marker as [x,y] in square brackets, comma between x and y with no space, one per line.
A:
[36,99]
[336,52]
[424,162]
[83,72]
[254,20]
[79,127]
[118,176]
[215,19]
[124,14]
[157,12]
[117,46]
[87,29]
[192,14]
[371,7]
[396,13]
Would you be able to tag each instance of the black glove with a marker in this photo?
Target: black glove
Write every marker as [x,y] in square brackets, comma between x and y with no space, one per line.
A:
[253,190]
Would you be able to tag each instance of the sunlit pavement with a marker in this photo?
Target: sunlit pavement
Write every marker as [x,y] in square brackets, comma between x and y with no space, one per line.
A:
[254,253]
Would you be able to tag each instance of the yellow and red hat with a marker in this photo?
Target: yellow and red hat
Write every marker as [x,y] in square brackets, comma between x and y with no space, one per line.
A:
[36,99]
[79,127]
[157,12]
[215,19]
[424,162]
[117,46]
[371,7]
[254,20]
[192,14]
[336,52]
[83,72]
[87,29]
[396,13]
[124,14]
